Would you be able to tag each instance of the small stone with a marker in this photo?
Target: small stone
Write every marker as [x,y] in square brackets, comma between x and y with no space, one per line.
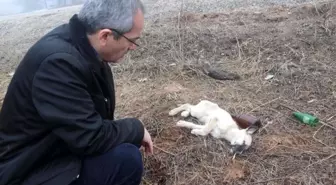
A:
[268,77]
[11,74]
[143,80]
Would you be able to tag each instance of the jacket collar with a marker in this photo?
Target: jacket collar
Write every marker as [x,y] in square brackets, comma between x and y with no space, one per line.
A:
[79,36]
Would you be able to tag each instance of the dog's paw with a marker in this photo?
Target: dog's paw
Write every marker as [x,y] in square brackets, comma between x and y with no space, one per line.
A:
[172,113]
[185,114]
[180,123]
[197,132]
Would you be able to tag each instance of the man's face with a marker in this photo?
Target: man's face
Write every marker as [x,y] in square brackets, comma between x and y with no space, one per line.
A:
[112,50]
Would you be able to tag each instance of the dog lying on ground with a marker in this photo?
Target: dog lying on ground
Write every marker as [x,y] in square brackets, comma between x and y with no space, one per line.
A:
[217,122]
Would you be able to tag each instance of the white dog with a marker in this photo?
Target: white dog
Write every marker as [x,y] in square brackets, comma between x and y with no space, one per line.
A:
[216,122]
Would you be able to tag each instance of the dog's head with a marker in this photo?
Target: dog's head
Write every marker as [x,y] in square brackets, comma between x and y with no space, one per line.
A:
[242,140]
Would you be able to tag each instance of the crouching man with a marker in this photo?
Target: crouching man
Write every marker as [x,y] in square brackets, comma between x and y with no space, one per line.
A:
[57,123]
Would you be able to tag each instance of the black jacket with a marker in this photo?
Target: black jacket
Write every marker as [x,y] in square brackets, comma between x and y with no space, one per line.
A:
[58,109]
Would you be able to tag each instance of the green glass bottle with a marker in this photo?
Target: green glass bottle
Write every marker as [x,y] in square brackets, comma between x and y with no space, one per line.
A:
[306,118]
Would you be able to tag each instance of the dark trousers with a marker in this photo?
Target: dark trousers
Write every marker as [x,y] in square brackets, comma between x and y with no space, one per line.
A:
[120,166]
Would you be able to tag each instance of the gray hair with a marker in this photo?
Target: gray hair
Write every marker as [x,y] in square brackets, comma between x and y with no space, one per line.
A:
[113,14]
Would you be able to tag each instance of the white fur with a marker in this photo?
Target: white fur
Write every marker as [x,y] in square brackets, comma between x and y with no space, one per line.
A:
[215,121]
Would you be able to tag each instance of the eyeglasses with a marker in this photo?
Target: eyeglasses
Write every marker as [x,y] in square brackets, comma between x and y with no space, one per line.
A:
[123,36]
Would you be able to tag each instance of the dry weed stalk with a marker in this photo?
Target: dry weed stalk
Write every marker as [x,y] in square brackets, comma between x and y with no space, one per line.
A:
[180,35]
[326,19]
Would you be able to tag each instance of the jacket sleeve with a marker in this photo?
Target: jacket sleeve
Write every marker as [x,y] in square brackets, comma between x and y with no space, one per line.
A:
[60,95]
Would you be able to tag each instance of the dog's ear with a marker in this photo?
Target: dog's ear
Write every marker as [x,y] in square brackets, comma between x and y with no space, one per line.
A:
[252,129]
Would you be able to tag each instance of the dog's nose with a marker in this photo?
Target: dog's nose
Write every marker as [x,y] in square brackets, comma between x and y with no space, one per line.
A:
[236,149]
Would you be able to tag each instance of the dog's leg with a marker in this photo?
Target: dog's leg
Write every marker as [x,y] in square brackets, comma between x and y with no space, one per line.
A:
[188,124]
[185,107]
[206,129]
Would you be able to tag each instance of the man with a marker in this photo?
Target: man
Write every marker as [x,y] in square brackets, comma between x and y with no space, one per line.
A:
[57,122]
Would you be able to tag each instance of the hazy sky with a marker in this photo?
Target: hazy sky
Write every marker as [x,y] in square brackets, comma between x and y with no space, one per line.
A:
[20,6]
[9,7]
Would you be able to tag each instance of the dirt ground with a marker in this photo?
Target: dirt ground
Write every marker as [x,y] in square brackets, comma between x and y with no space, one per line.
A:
[295,44]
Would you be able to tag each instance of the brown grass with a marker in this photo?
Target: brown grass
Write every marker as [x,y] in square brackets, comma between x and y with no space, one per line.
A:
[297,45]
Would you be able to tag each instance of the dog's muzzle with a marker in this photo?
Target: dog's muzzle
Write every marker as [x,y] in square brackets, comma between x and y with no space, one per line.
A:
[237,149]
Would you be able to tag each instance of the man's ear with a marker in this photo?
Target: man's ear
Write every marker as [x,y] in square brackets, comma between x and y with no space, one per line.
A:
[103,35]
[251,130]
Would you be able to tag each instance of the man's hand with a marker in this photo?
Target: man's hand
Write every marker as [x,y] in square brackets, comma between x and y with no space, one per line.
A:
[147,143]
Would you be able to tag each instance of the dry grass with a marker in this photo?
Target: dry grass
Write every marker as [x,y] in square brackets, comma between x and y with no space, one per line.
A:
[297,45]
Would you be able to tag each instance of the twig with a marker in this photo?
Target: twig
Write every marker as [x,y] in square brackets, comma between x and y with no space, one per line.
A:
[327,125]
[176,173]
[239,48]
[293,50]
[302,150]
[145,181]
[331,117]
[324,159]
[266,152]
[194,177]
[274,179]
[316,9]
[179,31]
[320,140]
[264,127]
[234,157]
[164,151]
[263,105]
[290,108]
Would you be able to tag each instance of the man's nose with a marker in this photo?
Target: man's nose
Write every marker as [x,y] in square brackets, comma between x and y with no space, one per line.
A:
[132,47]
